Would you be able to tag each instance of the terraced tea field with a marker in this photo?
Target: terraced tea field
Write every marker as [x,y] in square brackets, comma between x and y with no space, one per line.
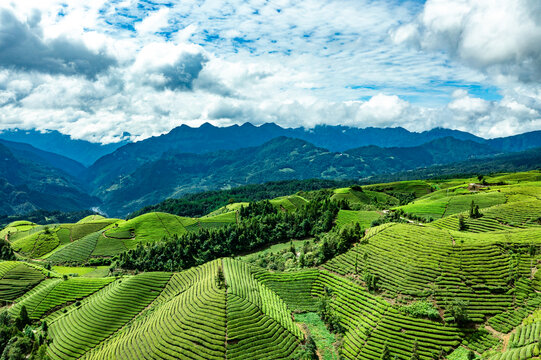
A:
[194,318]
[404,289]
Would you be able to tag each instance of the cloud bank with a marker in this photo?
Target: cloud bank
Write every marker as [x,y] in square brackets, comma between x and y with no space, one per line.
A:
[97,69]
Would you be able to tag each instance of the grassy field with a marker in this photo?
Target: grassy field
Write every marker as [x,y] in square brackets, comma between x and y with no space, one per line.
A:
[324,339]
[73,270]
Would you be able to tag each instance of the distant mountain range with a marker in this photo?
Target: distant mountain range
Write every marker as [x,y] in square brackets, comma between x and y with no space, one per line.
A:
[81,151]
[29,182]
[175,174]
[125,177]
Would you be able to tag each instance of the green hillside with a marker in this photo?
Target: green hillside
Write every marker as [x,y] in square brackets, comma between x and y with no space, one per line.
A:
[442,269]
[97,237]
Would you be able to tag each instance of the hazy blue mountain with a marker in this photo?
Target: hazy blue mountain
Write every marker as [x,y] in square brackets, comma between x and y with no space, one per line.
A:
[82,151]
[515,143]
[508,162]
[27,186]
[340,138]
[30,153]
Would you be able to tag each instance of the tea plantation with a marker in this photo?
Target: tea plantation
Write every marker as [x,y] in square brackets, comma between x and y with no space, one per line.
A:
[432,269]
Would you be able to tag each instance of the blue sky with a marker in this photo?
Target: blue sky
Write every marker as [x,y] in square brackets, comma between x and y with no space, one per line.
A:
[97,69]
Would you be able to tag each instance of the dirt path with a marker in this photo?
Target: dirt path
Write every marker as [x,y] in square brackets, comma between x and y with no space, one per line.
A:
[226,322]
[504,337]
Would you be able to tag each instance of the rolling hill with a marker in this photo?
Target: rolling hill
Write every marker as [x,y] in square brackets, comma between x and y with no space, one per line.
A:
[405,286]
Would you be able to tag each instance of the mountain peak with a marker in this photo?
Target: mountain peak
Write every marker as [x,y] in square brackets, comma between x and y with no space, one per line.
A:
[207,125]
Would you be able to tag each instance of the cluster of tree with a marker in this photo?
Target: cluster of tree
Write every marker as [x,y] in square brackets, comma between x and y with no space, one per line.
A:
[44,217]
[339,241]
[200,204]
[474,211]
[371,281]
[312,253]
[403,198]
[251,233]
[6,252]
[19,339]
[329,316]
[308,350]
[458,309]
[220,279]
[260,208]
[397,216]
[421,309]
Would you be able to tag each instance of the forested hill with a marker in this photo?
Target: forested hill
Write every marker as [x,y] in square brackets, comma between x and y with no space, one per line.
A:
[190,160]
[29,182]
[175,174]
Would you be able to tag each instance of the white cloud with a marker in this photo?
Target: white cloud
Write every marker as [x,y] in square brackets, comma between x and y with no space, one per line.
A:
[384,107]
[358,63]
[469,105]
[153,23]
[495,36]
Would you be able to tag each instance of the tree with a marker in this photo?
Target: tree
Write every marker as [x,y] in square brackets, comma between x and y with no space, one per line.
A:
[371,281]
[457,308]
[415,351]
[220,279]
[6,252]
[23,319]
[471,355]
[461,223]
[385,354]
[474,211]
[311,348]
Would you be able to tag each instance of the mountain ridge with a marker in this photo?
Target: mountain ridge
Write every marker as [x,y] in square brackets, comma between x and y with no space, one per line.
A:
[82,151]
[28,186]
[282,158]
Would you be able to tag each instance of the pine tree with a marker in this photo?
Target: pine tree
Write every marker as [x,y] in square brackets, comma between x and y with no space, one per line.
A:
[461,223]
[385,354]
[220,279]
[23,319]
[415,351]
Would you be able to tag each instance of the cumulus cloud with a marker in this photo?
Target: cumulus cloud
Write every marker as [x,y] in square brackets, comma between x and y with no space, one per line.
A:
[495,36]
[22,47]
[169,66]
[97,69]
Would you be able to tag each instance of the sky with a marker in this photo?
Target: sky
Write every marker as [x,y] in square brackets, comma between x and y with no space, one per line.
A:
[107,70]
